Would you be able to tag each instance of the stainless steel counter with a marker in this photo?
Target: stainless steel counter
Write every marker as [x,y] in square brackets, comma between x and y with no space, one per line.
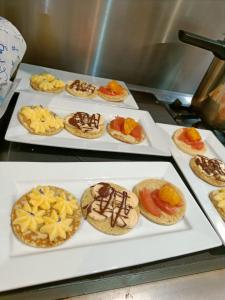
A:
[202,286]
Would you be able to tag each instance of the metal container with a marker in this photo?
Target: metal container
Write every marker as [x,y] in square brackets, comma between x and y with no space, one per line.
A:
[209,98]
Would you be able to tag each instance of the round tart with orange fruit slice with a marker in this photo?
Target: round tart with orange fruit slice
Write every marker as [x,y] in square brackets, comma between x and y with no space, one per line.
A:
[160,201]
[126,130]
[45,217]
[189,141]
[113,91]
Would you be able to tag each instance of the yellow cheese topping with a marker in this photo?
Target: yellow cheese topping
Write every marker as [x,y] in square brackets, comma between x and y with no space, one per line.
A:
[220,199]
[28,217]
[47,82]
[41,119]
[42,197]
[56,226]
[47,210]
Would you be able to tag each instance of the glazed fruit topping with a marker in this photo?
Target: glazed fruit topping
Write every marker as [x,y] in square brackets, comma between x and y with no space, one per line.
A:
[127,126]
[112,88]
[165,199]
[168,194]
[192,134]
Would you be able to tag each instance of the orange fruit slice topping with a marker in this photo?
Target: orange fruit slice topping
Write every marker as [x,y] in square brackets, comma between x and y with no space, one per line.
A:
[167,193]
[192,134]
[129,125]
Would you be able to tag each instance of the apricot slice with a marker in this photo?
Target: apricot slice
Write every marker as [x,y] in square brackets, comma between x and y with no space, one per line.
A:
[192,134]
[129,125]
[168,194]
[115,86]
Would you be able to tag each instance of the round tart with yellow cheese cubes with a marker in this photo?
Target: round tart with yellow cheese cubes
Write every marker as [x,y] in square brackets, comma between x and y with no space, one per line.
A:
[45,217]
[218,199]
[39,120]
[46,82]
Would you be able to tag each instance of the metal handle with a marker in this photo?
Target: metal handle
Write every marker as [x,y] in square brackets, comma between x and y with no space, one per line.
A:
[217,47]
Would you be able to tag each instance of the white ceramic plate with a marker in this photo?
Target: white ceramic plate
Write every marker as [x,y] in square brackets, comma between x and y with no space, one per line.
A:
[26,70]
[201,189]
[90,251]
[154,144]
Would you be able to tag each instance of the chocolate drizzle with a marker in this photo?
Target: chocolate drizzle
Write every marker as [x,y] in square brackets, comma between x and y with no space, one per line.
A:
[82,86]
[84,121]
[212,167]
[110,202]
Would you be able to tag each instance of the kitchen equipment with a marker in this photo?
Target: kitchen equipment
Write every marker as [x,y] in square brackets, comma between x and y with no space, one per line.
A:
[209,98]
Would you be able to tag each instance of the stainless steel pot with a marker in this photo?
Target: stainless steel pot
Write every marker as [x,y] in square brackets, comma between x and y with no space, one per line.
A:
[209,98]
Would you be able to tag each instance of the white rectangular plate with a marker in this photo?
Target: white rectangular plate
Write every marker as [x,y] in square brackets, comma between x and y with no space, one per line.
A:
[26,70]
[154,144]
[201,189]
[90,251]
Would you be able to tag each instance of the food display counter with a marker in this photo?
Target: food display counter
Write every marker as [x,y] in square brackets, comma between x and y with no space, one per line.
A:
[198,262]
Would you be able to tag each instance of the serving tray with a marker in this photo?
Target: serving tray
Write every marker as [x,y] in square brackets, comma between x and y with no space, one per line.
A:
[153,144]
[201,189]
[26,70]
[90,251]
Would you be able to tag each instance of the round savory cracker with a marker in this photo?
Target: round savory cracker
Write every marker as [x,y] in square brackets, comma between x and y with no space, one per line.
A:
[212,179]
[105,225]
[164,219]
[185,147]
[114,98]
[126,138]
[45,217]
[87,126]
[218,199]
[48,124]
[87,91]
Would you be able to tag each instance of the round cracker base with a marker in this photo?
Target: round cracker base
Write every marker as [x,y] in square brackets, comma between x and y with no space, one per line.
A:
[164,219]
[87,135]
[129,139]
[199,173]
[184,147]
[117,98]
[36,88]
[103,226]
[48,244]
[79,93]
[47,133]
[212,198]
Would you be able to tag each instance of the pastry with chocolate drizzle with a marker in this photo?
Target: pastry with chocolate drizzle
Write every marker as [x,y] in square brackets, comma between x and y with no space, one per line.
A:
[211,170]
[110,208]
[81,88]
[82,124]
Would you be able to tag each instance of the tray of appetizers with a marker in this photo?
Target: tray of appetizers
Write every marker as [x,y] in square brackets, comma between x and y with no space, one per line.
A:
[200,156]
[89,89]
[61,122]
[65,220]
